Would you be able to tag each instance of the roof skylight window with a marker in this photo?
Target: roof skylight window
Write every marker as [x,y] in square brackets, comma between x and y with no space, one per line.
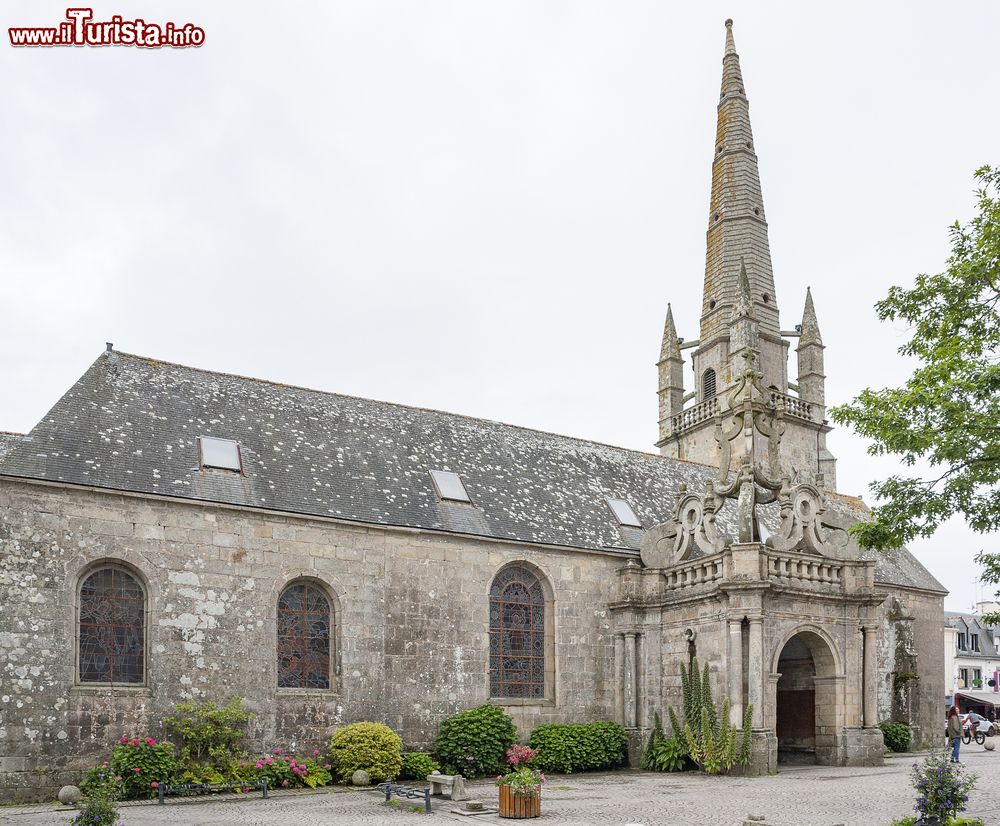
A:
[219,453]
[450,486]
[623,512]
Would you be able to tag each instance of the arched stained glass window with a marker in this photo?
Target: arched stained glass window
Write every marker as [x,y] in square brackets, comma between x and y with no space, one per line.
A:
[111,629]
[304,620]
[517,634]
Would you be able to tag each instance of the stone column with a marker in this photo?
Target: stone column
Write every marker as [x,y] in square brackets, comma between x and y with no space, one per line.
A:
[628,680]
[619,672]
[755,670]
[870,679]
[735,671]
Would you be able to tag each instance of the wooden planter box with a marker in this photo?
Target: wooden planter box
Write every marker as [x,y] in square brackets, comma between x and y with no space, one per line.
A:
[516,805]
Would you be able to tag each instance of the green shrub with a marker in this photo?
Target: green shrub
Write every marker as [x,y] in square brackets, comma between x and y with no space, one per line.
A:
[905,821]
[474,742]
[374,747]
[96,812]
[670,755]
[211,741]
[101,795]
[286,770]
[964,821]
[898,737]
[417,765]
[710,738]
[575,747]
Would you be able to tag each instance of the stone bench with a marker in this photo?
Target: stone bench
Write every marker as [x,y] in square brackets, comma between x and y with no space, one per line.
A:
[450,786]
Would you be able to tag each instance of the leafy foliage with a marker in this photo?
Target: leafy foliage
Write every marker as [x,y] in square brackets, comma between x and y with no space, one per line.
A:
[143,765]
[208,732]
[670,755]
[710,739]
[374,747]
[575,747]
[473,743]
[898,737]
[524,779]
[417,765]
[286,770]
[948,411]
[102,790]
[942,787]
[656,738]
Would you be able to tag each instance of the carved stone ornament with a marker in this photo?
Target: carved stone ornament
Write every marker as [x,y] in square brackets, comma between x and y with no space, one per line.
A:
[751,420]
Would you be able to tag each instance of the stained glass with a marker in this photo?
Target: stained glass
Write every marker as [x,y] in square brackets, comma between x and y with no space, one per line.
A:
[303,637]
[112,634]
[517,634]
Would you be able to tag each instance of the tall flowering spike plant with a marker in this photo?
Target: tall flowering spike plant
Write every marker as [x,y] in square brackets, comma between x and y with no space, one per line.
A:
[523,780]
[942,787]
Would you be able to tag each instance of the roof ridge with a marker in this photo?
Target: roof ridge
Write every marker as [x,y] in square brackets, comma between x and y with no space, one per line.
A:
[407,407]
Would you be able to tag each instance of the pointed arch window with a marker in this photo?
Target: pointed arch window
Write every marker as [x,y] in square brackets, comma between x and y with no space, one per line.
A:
[708,384]
[518,638]
[111,628]
[304,623]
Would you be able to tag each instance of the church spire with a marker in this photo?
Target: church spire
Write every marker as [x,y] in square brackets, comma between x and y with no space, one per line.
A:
[671,374]
[736,225]
[809,334]
[670,348]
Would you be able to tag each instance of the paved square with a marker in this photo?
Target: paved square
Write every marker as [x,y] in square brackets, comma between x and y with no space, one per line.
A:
[802,796]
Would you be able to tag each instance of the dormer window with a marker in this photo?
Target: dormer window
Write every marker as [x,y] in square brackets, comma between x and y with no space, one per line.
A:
[449,486]
[623,513]
[223,454]
[975,642]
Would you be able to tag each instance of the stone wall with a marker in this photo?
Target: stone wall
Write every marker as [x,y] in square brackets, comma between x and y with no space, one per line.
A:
[411,625]
[911,663]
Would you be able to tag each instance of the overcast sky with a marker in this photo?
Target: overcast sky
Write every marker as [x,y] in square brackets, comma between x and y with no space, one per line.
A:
[480,207]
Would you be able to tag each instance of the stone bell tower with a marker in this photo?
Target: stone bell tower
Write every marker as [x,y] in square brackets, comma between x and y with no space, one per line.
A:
[739,321]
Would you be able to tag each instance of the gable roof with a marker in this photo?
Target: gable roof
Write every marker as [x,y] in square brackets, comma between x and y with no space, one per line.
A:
[132,423]
[7,441]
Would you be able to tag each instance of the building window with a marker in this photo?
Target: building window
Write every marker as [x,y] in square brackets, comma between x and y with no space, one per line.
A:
[977,677]
[223,454]
[975,642]
[708,384]
[963,677]
[449,486]
[304,620]
[961,642]
[112,628]
[517,634]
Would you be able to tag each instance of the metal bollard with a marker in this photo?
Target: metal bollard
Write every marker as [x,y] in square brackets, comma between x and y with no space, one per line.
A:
[263,787]
[160,792]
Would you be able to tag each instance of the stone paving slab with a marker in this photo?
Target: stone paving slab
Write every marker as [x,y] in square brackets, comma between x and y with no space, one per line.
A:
[800,796]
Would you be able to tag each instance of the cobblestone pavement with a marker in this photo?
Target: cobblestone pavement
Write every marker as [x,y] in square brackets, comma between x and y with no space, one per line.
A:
[800,796]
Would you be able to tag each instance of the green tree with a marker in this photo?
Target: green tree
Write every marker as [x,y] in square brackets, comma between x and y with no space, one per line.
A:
[947,414]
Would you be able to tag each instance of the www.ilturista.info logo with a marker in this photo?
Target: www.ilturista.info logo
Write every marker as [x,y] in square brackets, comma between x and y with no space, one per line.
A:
[80,29]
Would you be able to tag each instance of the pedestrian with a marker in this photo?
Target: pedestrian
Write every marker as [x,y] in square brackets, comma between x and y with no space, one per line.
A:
[954,732]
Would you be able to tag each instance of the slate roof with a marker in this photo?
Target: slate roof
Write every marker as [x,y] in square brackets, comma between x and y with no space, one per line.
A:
[970,624]
[131,423]
[7,442]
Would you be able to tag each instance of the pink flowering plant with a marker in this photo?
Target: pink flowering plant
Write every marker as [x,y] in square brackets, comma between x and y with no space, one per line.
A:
[523,780]
[138,765]
[284,771]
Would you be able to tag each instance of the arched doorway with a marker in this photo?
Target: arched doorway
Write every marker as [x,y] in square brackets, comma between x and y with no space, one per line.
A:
[807,703]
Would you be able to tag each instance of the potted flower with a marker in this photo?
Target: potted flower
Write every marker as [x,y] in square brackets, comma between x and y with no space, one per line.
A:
[521,787]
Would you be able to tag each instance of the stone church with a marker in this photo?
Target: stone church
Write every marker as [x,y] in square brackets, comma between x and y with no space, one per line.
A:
[170,533]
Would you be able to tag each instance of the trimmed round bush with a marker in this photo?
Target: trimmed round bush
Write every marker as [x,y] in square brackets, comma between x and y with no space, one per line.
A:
[897,736]
[475,742]
[417,765]
[575,747]
[372,747]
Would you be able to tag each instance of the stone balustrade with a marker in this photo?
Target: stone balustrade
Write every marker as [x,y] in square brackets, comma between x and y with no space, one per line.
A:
[694,415]
[699,572]
[793,405]
[804,570]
